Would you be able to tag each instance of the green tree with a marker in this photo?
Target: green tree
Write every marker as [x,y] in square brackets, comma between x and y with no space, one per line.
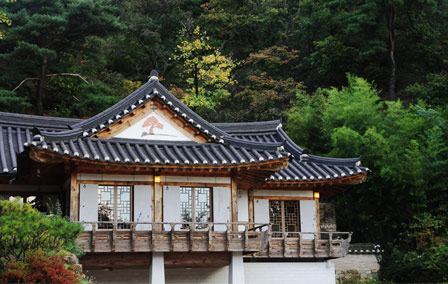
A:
[46,31]
[406,149]
[268,83]
[207,71]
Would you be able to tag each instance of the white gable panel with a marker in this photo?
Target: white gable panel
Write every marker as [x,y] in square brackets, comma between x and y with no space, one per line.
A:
[143,206]
[171,206]
[221,207]
[261,211]
[153,127]
[88,204]
[308,218]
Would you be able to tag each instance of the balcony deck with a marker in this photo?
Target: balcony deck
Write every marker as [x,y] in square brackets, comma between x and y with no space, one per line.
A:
[324,245]
[253,239]
[173,237]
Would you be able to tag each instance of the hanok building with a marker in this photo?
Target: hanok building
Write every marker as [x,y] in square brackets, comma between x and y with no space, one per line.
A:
[167,197]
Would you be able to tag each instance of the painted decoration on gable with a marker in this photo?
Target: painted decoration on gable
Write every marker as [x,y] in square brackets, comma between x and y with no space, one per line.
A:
[153,127]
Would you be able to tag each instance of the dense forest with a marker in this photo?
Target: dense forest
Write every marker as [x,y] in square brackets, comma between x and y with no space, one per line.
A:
[348,78]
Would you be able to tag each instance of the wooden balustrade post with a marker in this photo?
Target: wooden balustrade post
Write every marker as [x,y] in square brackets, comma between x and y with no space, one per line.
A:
[210,226]
[93,237]
[228,236]
[114,235]
[132,237]
[300,245]
[246,237]
[172,239]
[284,243]
[330,244]
[269,240]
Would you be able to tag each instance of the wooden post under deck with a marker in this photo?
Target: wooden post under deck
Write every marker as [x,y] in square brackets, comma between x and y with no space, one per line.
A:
[74,196]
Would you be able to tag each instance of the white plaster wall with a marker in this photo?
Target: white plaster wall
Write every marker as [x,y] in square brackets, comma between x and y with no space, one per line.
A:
[308,218]
[255,273]
[261,211]
[88,204]
[187,179]
[172,276]
[243,207]
[291,193]
[171,206]
[143,206]
[289,272]
[106,177]
[221,207]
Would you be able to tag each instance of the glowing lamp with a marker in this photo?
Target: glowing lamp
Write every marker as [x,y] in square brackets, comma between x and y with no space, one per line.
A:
[157,179]
[316,195]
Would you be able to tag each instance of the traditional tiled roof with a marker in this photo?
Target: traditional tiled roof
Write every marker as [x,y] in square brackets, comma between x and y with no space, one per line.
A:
[127,106]
[303,167]
[228,143]
[164,152]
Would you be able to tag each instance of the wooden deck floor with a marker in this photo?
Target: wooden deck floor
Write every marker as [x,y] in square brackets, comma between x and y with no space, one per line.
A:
[255,240]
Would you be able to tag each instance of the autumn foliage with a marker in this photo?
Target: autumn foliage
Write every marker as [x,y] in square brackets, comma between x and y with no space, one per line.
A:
[37,268]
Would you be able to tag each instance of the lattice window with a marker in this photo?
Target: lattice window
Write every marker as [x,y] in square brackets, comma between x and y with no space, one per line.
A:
[195,205]
[186,204]
[275,217]
[291,215]
[284,217]
[114,204]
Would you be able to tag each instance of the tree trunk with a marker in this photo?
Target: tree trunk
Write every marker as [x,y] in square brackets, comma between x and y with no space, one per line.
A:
[390,16]
[196,81]
[40,87]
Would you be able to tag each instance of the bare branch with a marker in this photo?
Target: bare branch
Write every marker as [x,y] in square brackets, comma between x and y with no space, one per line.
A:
[53,75]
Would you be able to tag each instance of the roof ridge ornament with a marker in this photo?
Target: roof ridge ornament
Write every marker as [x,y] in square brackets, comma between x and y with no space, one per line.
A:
[304,157]
[154,76]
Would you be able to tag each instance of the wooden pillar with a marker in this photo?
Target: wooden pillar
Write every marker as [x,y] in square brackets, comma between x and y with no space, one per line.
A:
[157,269]
[74,196]
[158,203]
[234,202]
[236,268]
[316,200]
[251,206]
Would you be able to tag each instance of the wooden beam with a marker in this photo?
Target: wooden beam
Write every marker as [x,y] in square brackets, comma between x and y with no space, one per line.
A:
[281,197]
[74,196]
[143,260]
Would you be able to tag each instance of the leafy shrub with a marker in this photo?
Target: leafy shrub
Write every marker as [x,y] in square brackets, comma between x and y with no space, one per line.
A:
[37,268]
[24,229]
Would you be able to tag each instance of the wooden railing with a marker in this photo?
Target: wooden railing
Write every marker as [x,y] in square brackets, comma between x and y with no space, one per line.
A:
[306,245]
[255,239]
[173,237]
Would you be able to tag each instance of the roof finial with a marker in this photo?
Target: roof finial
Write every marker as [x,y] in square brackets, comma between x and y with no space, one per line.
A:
[154,76]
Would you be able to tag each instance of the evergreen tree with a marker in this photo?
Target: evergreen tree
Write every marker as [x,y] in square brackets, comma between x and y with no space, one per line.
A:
[46,30]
